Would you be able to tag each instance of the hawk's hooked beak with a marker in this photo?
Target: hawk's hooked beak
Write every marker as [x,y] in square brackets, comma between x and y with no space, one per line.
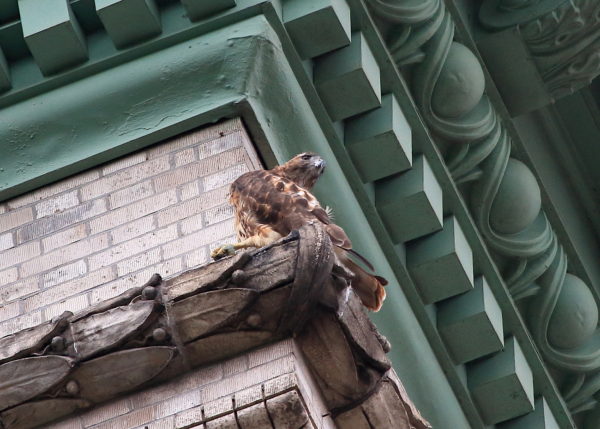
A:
[320,164]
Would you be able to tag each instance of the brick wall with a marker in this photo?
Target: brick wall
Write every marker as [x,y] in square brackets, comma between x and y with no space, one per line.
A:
[269,388]
[92,236]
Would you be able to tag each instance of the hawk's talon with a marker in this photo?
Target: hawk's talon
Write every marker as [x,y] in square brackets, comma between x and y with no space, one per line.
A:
[222,251]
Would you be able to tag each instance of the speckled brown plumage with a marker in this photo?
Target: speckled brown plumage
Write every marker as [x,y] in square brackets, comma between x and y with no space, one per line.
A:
[269,204]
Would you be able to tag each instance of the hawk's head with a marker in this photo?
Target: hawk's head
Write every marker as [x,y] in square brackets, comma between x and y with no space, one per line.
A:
[304,169]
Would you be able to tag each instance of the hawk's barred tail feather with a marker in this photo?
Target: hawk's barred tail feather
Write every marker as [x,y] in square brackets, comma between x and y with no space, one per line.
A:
[368,287]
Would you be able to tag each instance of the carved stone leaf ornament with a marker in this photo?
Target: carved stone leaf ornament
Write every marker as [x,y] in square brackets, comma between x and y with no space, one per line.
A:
[23,379]
[27,341]
[108,329]
[36,413]
[200,314]
[155,332]
[106,376]
[220,346]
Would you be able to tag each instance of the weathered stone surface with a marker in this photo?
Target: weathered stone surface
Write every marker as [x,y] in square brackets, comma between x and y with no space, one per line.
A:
[287,411]
[106,376]
[23,379]
[102,331]
[28,341]
[221,346]
[201,314]
[34,414]
[159,330]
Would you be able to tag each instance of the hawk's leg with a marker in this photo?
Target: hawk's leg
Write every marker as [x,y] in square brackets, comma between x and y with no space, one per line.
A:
[263,238]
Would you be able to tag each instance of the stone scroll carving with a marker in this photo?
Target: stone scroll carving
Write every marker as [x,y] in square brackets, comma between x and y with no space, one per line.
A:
[561,36]
[151,333]
[503,193]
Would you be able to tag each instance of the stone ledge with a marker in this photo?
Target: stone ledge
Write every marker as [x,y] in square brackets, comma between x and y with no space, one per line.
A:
[166,327]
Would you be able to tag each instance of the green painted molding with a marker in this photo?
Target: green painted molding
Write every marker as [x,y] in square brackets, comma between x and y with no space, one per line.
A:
[252,68]
[477,147]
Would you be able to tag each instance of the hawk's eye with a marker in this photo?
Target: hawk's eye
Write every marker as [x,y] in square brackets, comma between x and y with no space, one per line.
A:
[306,157]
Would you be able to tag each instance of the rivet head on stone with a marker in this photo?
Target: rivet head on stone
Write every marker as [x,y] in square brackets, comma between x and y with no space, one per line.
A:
[58,344]
[238,277]
[159,334]
[72,388]
[149,292]
[254,320]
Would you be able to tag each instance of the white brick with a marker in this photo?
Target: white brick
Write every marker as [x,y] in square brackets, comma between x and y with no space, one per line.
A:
[6,241]
[184,157]
[122,284]
[139,262]
[196,258]
[74,304]
[125,162]
[56,204]
[106,412]
[65,290]
[218,214]
[19,254]
[192,207]
[133,211]
[64,255]
[198,239]
[70,423]
[125,177]
[8,276]
[15,218]
[65,237]
[178,403]
[19,323]
[63,274]
[193,138]
[166,423]
[220,145]
[59,221]
[191,224]
[131,194]
[55,188]
[132,247]
[189,172]
[190,190]
[18,290]
[8,311]
[133,229]
[224,177]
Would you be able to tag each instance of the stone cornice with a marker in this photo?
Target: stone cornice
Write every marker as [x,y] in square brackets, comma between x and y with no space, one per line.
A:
[166,327]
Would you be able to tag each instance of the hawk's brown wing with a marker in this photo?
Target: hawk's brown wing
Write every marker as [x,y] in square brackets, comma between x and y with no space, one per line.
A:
[262,198]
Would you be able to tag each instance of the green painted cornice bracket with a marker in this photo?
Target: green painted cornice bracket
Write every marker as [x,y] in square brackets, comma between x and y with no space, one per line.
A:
[52,34]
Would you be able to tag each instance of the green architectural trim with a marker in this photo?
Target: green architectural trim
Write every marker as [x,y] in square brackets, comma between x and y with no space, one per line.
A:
[202,72]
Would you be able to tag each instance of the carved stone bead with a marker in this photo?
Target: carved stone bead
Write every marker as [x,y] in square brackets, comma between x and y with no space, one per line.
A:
[238,277]
[254,320]
[72,388]
[149,292]
[57,344]
[460,84]
[518,200]
[575,316]
[159,334]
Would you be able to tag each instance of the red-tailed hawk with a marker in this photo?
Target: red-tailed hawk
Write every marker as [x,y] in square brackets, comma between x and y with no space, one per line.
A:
[269,204]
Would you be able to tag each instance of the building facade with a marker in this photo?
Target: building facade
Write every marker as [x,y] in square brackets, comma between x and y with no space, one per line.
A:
[461,142]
